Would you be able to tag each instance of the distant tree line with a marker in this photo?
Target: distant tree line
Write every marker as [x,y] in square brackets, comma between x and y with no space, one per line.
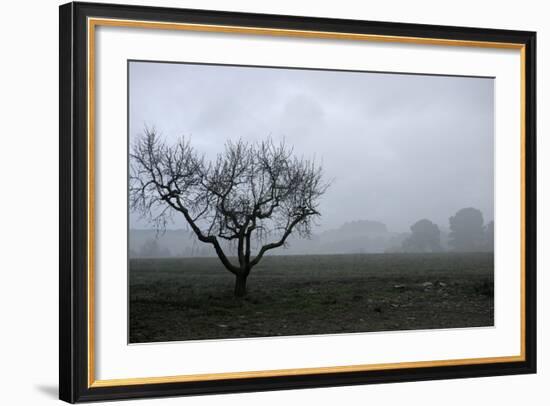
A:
[150,249]
[468,233]
[158,246]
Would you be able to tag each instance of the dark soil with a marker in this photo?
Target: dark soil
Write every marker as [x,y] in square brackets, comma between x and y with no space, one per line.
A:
[192,298]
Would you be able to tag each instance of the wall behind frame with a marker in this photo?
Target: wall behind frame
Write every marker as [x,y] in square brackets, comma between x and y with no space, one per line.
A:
[29,221]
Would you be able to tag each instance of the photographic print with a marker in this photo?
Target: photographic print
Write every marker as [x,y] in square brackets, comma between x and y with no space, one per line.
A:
[256,202]
[269,201]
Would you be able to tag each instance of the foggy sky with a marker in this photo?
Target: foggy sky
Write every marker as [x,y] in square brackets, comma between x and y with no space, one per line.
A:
[396,147]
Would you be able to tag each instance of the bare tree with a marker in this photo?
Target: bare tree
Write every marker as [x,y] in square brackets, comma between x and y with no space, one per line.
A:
[253,195]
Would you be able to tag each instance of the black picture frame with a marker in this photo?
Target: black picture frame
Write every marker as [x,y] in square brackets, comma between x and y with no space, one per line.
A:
[74,385]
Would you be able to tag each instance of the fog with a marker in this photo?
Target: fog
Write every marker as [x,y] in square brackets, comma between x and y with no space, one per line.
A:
[396,148]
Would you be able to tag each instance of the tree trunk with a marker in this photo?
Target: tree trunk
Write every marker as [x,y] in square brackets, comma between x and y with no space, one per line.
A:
[240,285]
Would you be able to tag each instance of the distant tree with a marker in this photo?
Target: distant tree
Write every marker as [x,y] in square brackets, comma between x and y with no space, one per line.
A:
[467,233]
[425,237]
[489,240]
[253,193]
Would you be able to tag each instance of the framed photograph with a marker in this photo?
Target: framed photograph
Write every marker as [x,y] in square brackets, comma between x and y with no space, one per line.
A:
[256,202]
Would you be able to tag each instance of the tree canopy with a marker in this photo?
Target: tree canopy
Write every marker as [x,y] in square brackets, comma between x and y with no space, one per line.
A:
[467,232]
[425,237]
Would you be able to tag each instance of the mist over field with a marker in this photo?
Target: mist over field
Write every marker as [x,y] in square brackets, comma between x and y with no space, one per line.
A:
[356,237]
[396,148]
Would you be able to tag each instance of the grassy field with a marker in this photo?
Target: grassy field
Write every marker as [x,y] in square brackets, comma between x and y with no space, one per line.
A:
[192,298]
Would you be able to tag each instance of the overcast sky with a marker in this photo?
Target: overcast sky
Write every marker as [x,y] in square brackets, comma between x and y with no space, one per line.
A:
[398,148]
